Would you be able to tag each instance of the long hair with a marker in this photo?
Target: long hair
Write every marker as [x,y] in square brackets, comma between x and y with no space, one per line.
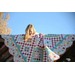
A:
[27,36]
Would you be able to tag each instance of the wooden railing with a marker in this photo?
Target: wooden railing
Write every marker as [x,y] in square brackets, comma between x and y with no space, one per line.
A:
[5,56]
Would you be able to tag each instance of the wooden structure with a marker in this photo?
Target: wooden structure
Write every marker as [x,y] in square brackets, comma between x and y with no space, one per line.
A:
[5,56]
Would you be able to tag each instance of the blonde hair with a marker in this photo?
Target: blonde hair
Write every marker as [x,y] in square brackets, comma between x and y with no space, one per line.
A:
[27,36]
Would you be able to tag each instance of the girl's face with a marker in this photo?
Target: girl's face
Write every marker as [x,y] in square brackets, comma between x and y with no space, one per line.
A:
[31,31]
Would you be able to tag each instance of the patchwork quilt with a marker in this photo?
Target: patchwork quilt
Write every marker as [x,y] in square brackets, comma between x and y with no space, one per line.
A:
[40,48]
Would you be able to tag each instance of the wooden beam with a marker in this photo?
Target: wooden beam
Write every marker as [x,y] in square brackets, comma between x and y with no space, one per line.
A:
[1,40]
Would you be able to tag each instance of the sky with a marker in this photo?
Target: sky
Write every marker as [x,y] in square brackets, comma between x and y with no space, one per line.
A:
[44,22]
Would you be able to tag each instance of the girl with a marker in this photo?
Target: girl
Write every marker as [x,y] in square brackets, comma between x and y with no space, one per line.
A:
[30,31]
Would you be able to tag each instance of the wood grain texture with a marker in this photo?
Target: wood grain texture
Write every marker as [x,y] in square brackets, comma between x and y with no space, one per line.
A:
[5,56]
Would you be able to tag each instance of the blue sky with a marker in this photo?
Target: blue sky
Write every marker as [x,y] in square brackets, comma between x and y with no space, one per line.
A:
[44,22]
